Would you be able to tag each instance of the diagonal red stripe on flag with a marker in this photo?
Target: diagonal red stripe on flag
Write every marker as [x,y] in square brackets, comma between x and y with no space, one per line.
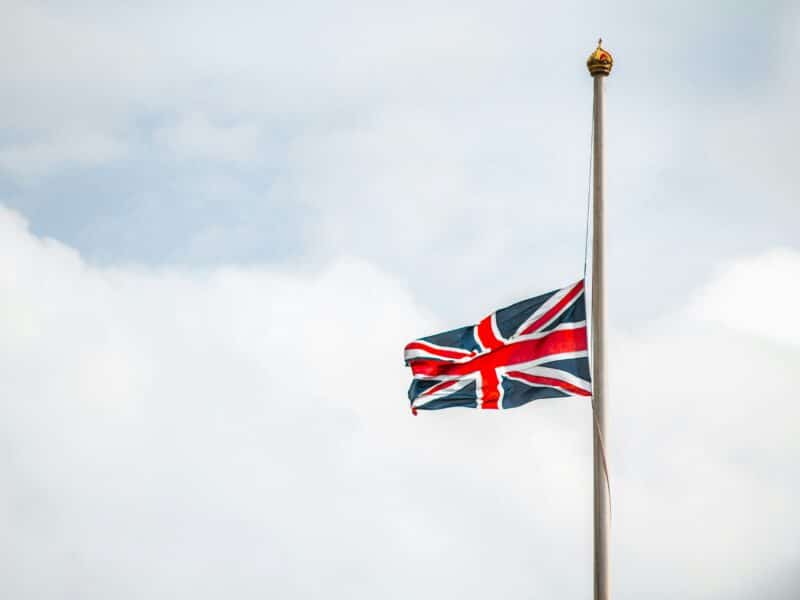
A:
[550,382]
[550,314]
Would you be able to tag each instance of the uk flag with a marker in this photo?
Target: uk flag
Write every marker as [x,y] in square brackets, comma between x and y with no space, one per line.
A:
[533,349]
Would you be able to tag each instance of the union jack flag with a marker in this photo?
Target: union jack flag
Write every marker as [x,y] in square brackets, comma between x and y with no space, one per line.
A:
[533,349]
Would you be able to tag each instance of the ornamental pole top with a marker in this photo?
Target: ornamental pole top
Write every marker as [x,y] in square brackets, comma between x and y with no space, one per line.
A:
[600,61]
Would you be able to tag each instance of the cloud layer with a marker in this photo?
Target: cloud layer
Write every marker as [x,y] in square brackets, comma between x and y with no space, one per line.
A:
[405,136]
[758,295]
[312,185]
[168,432]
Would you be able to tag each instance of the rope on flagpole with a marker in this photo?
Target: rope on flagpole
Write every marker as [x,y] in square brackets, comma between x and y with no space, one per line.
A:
[588,203]
[603,456]
[596,423]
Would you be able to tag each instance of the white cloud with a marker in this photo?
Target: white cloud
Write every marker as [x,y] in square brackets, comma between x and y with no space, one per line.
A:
[172,432]
[704,427]
[195,431]
[758,295]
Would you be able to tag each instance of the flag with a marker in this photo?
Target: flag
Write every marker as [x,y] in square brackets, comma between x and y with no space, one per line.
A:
[536,348]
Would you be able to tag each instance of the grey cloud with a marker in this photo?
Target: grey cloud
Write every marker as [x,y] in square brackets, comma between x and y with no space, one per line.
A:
[410,137]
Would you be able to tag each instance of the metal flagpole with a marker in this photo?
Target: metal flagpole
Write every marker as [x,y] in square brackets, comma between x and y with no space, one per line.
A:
[599,64]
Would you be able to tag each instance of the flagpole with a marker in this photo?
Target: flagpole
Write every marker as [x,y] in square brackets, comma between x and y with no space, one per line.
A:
[599,65]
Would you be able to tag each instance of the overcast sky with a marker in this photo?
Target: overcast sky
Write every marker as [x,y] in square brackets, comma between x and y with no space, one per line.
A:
[220,225]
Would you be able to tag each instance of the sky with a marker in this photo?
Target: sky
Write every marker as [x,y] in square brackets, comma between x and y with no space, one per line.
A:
[220,226]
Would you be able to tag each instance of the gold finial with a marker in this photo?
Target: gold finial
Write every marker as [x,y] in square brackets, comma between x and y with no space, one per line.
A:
[600,61]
